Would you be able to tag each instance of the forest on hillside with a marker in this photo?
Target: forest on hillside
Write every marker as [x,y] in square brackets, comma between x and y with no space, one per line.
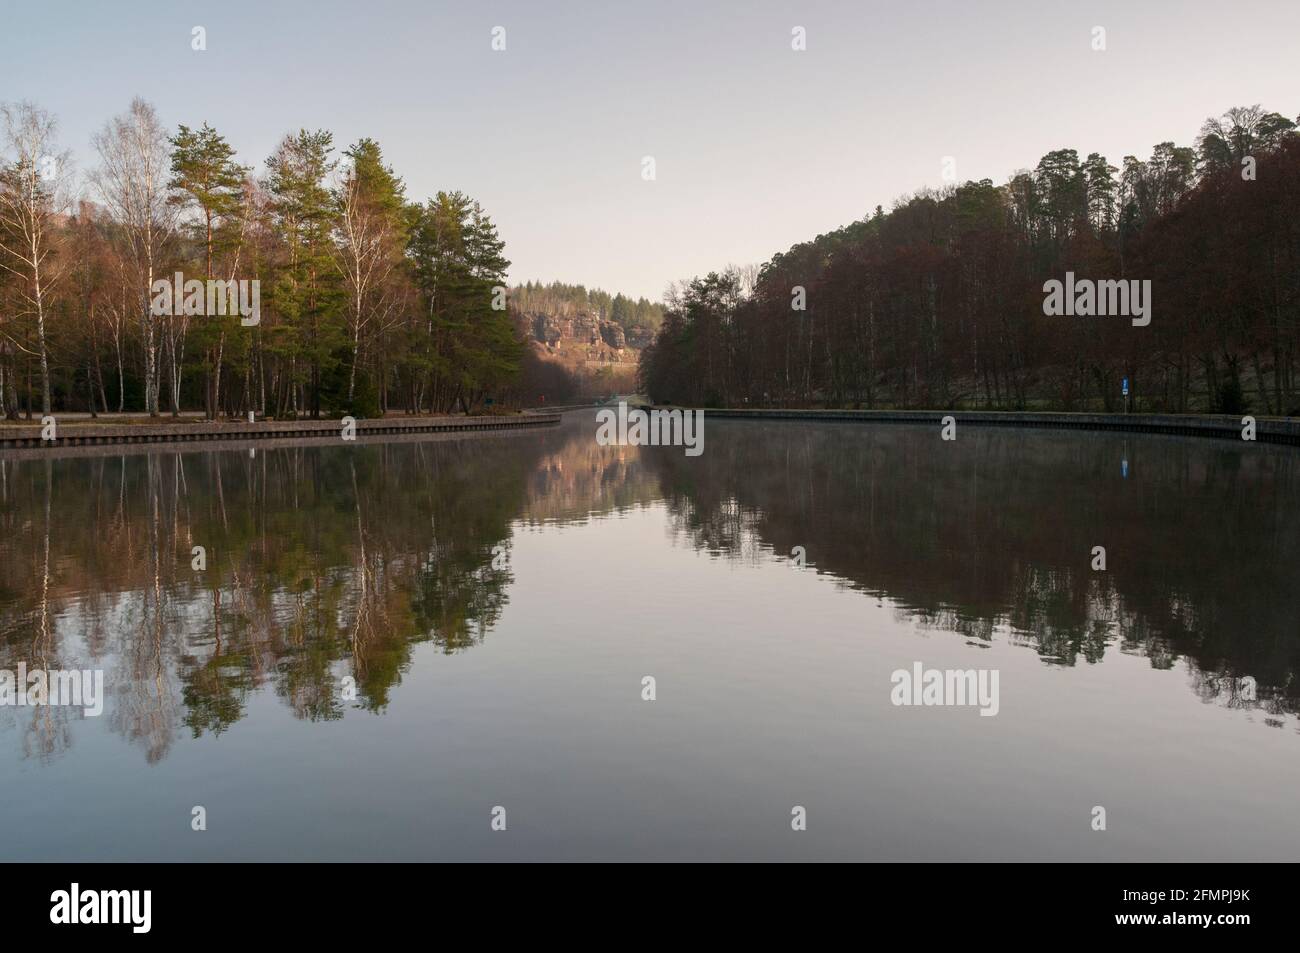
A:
[370,300]
[939,303]
[564,300]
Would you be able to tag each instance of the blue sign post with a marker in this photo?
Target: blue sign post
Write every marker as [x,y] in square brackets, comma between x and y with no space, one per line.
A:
[1125,387]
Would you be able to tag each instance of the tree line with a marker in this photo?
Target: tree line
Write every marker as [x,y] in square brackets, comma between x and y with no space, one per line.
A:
[938,303]
[563,299]
[369,301]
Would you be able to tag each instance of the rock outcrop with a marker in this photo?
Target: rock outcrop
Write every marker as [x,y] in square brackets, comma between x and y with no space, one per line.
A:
[583,338]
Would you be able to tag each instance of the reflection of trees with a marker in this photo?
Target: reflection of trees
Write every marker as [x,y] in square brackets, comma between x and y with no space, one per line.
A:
[326,562]
[994,532]
[47,730]
[321,562]
[581,478]
[140,677]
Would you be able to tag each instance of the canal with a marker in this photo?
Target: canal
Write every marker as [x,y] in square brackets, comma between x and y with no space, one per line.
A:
[391,650]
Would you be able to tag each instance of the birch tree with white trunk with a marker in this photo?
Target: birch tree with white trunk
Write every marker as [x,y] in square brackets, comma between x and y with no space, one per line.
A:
[34,196]
[132,180]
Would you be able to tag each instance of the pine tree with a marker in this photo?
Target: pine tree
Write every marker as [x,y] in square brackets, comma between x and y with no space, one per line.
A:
[305,293]
[206,177]
[459,261]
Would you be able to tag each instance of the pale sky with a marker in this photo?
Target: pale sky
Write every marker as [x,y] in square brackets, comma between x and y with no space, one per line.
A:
[756,146]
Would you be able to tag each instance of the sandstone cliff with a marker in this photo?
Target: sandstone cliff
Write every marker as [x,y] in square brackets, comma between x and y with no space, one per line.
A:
[582,337]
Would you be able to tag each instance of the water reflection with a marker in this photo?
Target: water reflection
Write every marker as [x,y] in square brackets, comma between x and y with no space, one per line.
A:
[326,566]
[322,564]
[995,532]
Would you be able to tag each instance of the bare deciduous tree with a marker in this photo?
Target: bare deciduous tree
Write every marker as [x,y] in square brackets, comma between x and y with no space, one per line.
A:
[367,252]
[135,158]
[33,195]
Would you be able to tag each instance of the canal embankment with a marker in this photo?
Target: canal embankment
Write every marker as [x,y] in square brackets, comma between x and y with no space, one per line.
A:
[35,436]
[1266,429]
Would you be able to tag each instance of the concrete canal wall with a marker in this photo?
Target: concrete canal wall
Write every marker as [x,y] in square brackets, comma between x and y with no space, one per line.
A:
[1267,429]
[80,434]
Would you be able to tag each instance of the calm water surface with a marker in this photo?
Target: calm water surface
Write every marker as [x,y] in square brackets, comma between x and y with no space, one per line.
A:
[498,600]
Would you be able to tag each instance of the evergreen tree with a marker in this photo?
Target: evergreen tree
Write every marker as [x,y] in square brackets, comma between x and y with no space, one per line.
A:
[459,263]
[306,291]
[205,177]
